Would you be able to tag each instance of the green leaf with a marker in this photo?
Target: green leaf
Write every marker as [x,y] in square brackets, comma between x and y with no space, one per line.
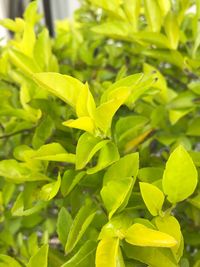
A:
[49,191]
[16,25]
[172,29]
[128,127]
[81,222]
[169,225]
[40,258]
[151,256]
[7,261]
[161,82]
[140,235]
[19,172]
[85,105]
[195,201]
[153,15]
[53,152]
[176,115]
[126,166]
[64,87]
[165,6]
[31,13]
[70,179]
[179,180]
[105,112]
[107,253]
[115,29]
[132,10]
[43,132]
[149,37]
[27,43]
[82,123]
[150,174]
[87,146]
[115,194]
[153,198]
[19,207]
[85,256]
[116,227]
[194,127]
[115,89]
[63,225]
[42,50]
[23,62]
[107,155]
[112,7]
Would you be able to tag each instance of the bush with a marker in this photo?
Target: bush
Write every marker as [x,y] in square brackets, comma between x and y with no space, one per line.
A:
[99,139]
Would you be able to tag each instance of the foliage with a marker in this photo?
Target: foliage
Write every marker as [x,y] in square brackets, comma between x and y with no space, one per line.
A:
[100,135]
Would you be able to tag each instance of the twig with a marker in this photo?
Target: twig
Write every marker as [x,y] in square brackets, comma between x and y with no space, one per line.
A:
[17,132]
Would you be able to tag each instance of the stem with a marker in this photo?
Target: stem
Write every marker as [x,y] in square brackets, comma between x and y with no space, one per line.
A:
[15,133]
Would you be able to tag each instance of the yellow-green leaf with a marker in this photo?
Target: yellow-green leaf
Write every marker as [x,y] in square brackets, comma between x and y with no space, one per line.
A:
[49,191]
[116,193]
[107,253]
[170,225]
[132,10]
[40,258]
[107,155]
[82,123]
[180,176]
[81,222]
[140,235]
[165,6]
[87,146]
[105,112]
[65,87]
[153,15]
[172,29]
[153,198]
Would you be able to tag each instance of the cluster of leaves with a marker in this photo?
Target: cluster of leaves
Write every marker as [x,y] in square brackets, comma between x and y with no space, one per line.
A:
[99,137]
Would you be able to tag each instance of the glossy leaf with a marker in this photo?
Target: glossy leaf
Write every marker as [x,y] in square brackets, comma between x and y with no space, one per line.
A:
[140,235]
[64,87]
[81,222]
[151,256]
[40,258]
[107,155]
[84,257]
[179,180]
[19,172]
[63,226]
[49,191]
[115,193]
[69,180]
[126,166]
[86,148]
[153,15]
[105,112]
[107,252]
[172,29]
[153,198]
[170,225]
[54,152]
[23,62]
[7,261]
[82,123]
